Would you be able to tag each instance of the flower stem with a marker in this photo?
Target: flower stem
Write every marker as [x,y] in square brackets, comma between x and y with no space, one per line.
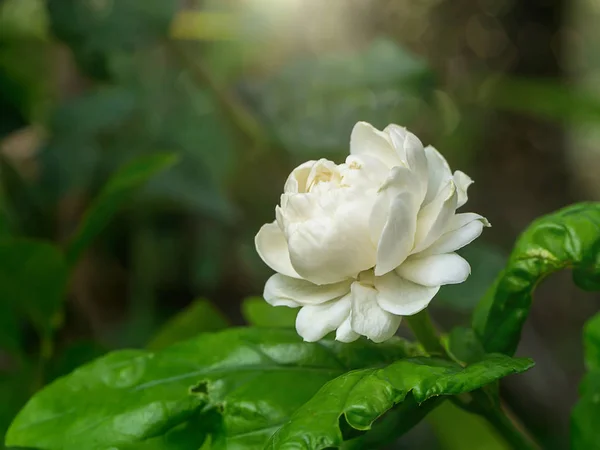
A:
[425,332]
[519,441]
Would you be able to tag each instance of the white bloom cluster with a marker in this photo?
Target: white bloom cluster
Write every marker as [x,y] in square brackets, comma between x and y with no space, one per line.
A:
[358,245]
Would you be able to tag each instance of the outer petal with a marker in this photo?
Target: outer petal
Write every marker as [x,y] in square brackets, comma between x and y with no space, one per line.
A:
[397,237]
[367,140]
[336,246]
[368,319]
[433,219]
[435,270]
[402,297]
[438,173]
[345,333]
[273,249]
[282,290]
[457,238]
[462,181]
[410,149]
[400,180]
[315,321]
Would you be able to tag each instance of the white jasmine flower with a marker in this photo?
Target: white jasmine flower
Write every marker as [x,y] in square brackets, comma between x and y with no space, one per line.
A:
[359,245]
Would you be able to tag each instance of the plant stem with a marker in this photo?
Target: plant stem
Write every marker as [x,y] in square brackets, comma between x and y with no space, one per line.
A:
[425,332]
[509,431]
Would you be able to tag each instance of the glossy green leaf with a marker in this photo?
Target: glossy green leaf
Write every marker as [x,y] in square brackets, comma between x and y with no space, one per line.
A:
[585,419]
[362,396]
[201,316]
[254,379]
[33,278]
[118,189]
[259,313]
[567,239]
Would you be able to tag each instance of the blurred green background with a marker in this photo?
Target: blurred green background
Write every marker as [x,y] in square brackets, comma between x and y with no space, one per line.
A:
[242,91]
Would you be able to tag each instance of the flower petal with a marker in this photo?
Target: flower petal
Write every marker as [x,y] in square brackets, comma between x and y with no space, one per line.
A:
[462,181]
[333,247]
[402,297]
[345,333]
[410,149]
[313,322]
[367,318]
[398,234]
[435,270]
[457,238]
[439,173]
[367,140]
[364,171]
[400,180]
[282,290]
[434,217]
[273,249]
[296,181]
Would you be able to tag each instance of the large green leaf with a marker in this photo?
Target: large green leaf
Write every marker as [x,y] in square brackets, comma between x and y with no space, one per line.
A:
[567,239]
[585,420]
[254,379]
[201,316]
[362,396]
[118,189]
[33,277]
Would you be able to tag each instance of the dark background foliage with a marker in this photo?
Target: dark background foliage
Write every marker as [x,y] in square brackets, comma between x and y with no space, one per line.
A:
[242,91]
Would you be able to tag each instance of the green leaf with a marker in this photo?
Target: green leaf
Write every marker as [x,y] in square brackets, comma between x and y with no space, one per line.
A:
[362,396]
[118,189]
[33,278]
[585,419]
[464,345]
[259,313]
[569,238]
[254,379]
[201,316]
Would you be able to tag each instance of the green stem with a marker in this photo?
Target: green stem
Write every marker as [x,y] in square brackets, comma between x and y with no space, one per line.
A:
[509,431]
[425,332]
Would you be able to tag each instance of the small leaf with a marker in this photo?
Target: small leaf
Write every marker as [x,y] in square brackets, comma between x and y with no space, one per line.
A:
[569,238]
[254,378]
[362,396]
[118,189]
[259,313]
[33,278]
[201,316]
[464,345]
[585,419]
